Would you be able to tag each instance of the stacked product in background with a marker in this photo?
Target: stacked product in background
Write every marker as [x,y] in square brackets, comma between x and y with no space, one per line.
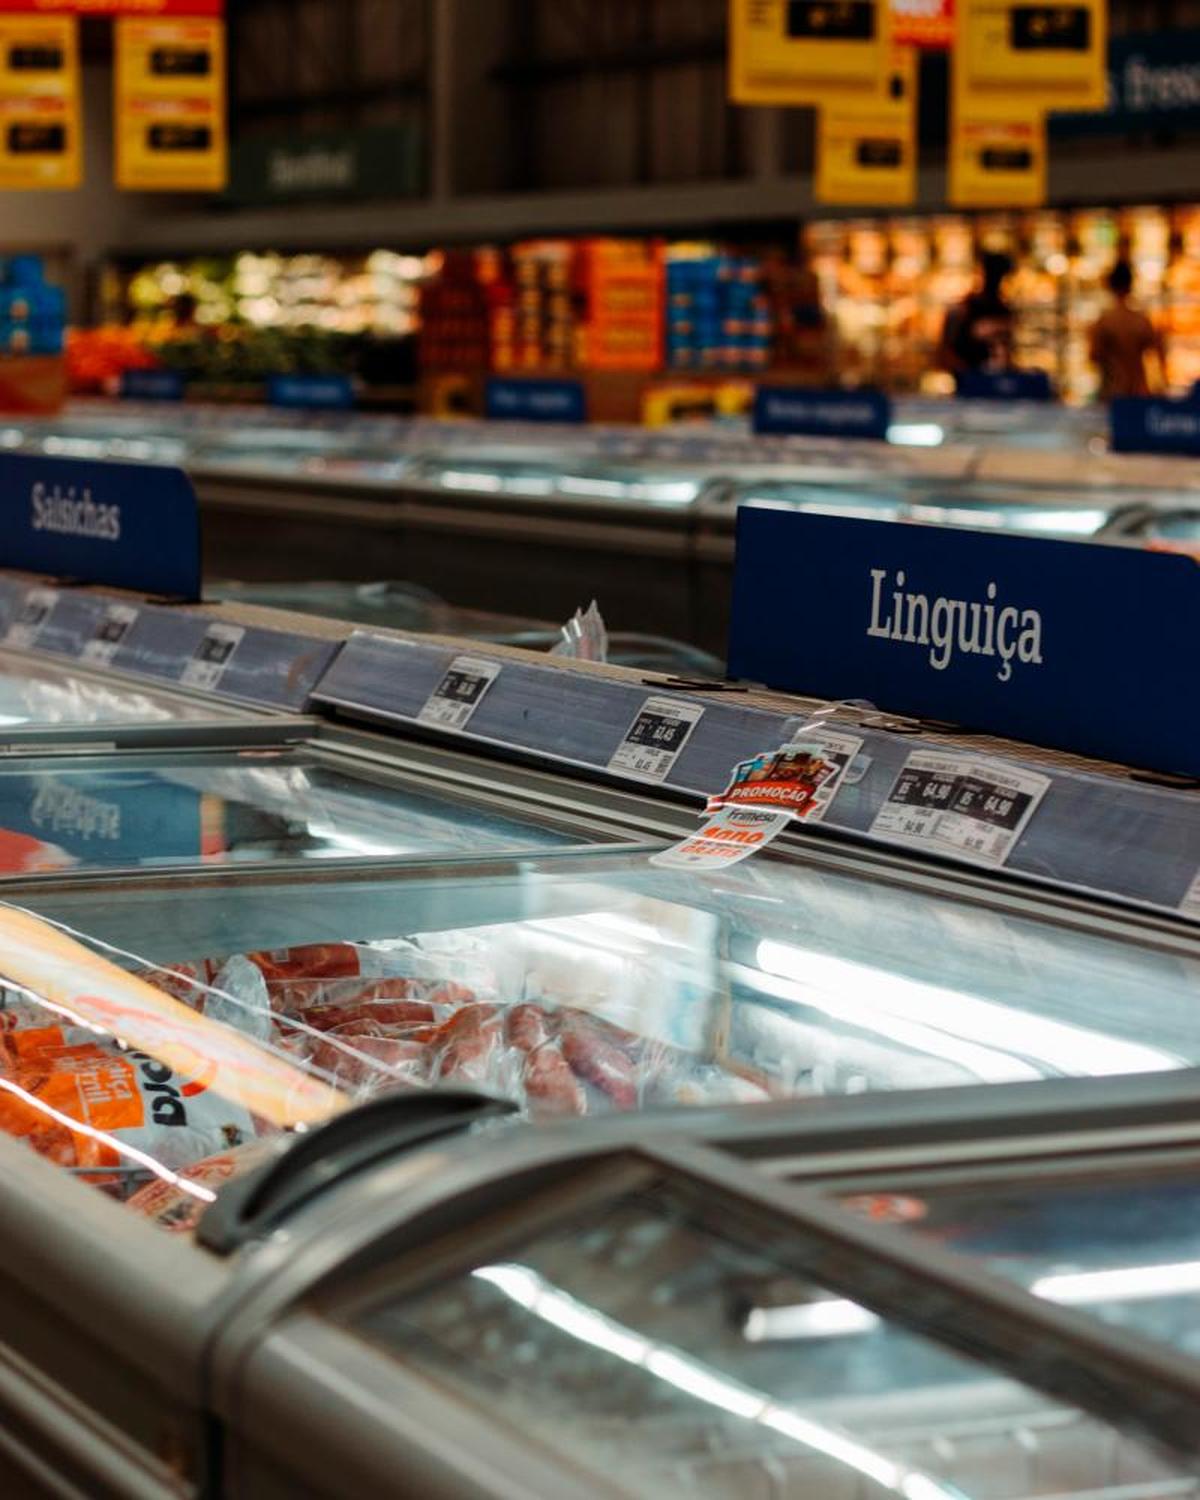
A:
[619,287]
[33,314]
[457,310]
[533,325]
[717,313]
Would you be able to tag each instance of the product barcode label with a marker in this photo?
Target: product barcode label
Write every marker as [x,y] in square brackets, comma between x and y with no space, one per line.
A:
[36,609]
[1190,905]
[459,693]
[212,656]
[961,804]
[654,740]
[114,626]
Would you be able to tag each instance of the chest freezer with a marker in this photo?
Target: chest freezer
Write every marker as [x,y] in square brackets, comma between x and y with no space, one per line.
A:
[165,1035]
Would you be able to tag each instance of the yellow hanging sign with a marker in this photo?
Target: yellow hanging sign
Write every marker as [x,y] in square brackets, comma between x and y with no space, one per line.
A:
[997,155]
[39,102]
[170,105]
[807,51]
[1050,56]
[867,149]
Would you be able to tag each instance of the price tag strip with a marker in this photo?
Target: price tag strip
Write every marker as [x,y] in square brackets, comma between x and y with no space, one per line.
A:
[113,627]
[35,611]
[653,742]
[796,783]
[960,804]
[460,692]
[212,656]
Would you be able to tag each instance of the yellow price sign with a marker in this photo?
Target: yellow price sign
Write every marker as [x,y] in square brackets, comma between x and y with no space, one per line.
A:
[170,105]
[997,157]
[39,102]
[1051,56]
[867,149]
[807,51]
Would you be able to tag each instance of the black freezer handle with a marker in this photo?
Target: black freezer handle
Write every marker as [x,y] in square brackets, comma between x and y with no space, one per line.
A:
[253,1205]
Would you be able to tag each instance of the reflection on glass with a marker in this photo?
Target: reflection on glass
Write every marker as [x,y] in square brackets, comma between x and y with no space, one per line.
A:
[233,807]
[1124,1248]
[620,1342]
[42,692]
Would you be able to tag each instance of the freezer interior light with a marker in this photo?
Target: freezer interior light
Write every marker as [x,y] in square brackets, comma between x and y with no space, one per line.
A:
[1122,1284]
[916,434]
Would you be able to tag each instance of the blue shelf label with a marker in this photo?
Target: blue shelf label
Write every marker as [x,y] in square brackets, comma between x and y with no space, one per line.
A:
[1141,424]
[535,401]
[1005,385]
[132,526]
[152,385]
[793,411]
[311,392]
[1049,642]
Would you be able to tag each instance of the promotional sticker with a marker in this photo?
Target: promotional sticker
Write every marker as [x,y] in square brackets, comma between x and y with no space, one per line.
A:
[35,611]
[960,804]
[653,742]
[460,692]
[796,783]
[726,839]
[211,656]
[112,629]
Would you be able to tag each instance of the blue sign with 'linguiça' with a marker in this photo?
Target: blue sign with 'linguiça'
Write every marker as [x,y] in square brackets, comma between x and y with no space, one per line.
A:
[1004,385]
[131,526]
[311,392]
[535,401]
[1153,424]
[797,411]
[1074,645]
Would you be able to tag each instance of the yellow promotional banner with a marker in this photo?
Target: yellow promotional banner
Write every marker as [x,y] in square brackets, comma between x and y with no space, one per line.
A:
[170,105]
[807,51]
[1050,56]
[997,156]
[867,149]
[39,102]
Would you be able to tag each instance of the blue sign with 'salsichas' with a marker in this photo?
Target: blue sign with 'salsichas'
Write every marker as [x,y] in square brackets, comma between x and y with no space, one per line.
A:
[1067,644]
[132,526]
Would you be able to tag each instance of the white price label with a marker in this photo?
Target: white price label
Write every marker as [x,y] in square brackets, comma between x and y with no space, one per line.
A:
[653,742]
[963,804]
[840,750]
[114,626]
[212,656]
[730,835]
[1190,905]
[459,693]
[36,609]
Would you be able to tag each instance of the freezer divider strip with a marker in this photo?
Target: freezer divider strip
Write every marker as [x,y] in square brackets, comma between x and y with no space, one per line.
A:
[1106,834]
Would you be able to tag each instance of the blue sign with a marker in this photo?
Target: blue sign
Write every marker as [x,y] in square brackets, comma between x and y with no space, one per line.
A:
[1005,385]
[132,526]
[311,392]
[535,401]
[1153,84]
[796,411]
[1152,424]
[152,385]
[1065,644]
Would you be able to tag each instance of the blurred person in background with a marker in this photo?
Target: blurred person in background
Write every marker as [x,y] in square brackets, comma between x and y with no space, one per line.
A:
[978,333]
[1125,346]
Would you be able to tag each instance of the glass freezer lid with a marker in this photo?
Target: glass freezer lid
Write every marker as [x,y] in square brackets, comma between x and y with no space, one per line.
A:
[35,691]
[586,983]
[1119,1243]
[1051,516]
[629,1340]
[218,807]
